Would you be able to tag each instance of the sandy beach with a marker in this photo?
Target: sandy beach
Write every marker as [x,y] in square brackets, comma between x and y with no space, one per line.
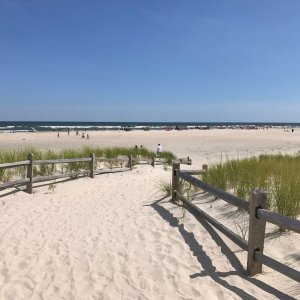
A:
[117,237]
[203,146]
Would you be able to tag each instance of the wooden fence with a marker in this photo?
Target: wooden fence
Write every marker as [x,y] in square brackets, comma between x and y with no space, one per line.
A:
[258,216]
[30,163]
[92,161]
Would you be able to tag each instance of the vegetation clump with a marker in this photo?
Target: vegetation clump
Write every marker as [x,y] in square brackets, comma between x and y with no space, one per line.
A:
[277,174]
[113,153]
[185,188]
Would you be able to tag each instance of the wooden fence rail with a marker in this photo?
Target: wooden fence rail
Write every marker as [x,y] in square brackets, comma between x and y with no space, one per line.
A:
[62,161]
[258,216]
[104,159]
[92,161]
[213,190]
[279,220]
[60,176]
[13,183]
[30,163]
[14,165]
[226,231]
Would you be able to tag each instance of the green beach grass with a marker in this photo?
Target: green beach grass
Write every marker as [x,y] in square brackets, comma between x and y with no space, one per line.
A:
[278,174]
[15,155]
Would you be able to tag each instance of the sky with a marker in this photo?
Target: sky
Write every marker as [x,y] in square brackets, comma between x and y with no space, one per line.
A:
[150,60]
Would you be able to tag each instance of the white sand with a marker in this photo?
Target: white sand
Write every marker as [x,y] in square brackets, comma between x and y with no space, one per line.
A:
[114,237]
[204,146]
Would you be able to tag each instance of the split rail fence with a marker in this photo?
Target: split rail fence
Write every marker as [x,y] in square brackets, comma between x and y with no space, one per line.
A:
[92,161]
[31,179]
[258,216]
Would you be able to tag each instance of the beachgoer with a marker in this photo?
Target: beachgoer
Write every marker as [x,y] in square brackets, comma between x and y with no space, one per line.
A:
[58,133]
[158,149]
[83,136]
[87,136]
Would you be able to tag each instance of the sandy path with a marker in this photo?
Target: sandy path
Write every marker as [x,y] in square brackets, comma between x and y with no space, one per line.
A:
[113,237]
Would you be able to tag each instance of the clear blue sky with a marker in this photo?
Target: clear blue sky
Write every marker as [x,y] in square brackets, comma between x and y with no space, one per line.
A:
[154,60]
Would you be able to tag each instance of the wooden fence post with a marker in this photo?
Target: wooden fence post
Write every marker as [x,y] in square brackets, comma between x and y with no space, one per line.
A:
[175,180]
[92,165]
[130,162]
[153,161]
[30,173]
[257,227]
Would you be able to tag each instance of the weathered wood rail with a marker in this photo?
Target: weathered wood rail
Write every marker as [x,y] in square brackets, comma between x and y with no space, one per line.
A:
[258,216]
[31,179]
[31,163]
[92,161]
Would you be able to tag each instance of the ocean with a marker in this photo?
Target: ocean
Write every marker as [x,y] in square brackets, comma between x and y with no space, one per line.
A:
[13,126]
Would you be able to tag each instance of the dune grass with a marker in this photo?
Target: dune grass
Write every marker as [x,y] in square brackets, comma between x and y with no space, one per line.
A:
[278,174]
[15,155]
[184,188]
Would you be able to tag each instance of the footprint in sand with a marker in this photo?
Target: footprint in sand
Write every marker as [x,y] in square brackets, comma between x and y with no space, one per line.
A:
[22,265]
[53,245]
[16,250]
[144,285]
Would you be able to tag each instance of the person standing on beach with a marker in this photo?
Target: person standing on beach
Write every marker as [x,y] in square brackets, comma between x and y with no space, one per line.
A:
[158,149]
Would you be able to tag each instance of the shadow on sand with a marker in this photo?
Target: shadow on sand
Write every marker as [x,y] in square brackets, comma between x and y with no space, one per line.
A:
[205,261]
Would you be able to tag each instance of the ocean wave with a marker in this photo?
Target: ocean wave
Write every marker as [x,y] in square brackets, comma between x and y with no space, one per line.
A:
[128,126]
